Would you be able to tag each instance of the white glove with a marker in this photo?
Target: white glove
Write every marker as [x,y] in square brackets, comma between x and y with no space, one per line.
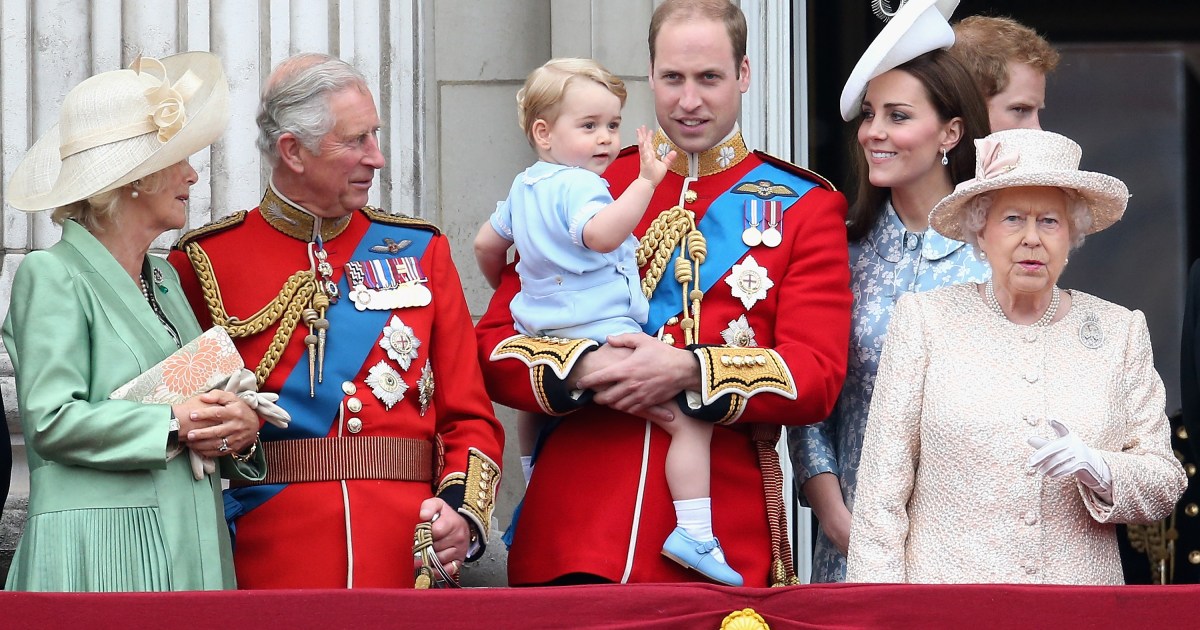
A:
[243,384]
[1068,454]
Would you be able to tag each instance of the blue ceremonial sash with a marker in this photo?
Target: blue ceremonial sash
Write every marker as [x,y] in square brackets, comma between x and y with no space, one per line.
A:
[722,227]
[352,335]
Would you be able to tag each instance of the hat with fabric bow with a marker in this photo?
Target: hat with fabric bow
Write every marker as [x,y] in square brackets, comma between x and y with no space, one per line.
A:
[119,126]
[917,27]
[1031,157]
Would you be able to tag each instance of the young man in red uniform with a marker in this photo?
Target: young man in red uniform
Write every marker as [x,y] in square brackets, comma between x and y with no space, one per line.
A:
[356,318]
[748,329]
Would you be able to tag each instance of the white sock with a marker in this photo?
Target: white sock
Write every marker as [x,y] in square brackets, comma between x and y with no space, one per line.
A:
[694,517]
[527,467]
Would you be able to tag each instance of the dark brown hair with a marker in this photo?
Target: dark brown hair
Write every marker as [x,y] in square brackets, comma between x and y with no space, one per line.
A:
[953,94]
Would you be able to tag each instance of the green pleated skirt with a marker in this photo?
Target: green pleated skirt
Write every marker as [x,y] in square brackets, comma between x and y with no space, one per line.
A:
[180,543]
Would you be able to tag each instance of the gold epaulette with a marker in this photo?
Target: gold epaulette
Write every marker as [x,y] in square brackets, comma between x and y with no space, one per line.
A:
[379,216]
[798,170]
[219,225]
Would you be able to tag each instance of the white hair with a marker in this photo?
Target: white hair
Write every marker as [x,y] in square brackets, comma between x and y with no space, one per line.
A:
[296,100]
[975,211]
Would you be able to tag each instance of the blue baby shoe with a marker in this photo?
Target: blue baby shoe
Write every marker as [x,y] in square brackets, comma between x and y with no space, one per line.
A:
[696,555]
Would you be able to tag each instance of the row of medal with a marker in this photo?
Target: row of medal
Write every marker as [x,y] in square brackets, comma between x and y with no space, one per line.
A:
[763,222]
[387,284]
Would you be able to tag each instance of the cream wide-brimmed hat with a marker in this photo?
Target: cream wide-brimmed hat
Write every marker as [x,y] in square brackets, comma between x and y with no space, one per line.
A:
[917,27]
[1031,157]
[119,126]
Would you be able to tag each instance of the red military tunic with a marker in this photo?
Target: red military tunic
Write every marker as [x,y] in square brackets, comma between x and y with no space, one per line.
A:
[353,526]
[586,509]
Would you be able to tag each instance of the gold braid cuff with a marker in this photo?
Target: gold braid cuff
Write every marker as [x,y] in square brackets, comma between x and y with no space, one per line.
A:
[285,308]
[478,487]
[742,371]
[556,353]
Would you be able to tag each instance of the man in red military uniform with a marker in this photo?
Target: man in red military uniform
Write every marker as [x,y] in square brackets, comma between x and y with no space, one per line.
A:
[744,258]
[357,319]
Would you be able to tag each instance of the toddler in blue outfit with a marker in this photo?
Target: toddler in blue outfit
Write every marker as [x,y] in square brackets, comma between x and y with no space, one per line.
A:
[577,263]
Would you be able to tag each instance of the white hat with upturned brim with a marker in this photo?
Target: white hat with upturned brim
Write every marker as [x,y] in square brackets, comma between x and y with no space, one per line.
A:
[119,126]
[1031,157]
[918,26]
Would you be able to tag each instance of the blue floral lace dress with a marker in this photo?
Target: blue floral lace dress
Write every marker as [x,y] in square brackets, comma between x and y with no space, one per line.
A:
[888,263]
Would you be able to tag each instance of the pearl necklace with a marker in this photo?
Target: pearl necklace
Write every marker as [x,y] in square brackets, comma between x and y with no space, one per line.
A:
[994,304]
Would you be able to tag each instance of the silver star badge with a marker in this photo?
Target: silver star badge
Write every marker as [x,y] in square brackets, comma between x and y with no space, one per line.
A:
[739,334]
[749,282]
[386,384]
[400,343]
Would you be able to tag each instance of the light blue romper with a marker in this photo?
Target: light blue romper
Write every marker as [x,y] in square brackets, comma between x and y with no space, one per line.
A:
[567,290]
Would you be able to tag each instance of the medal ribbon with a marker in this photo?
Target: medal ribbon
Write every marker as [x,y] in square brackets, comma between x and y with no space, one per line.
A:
[722,227]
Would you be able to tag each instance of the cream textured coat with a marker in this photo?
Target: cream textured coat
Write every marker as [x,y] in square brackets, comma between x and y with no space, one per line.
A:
[945,494]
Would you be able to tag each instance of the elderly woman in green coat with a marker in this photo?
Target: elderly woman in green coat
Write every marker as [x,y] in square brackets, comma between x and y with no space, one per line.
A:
[110,509]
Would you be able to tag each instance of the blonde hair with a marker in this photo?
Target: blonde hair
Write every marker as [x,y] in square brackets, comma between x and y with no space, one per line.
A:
[100,210]
[546,87]
[986,44]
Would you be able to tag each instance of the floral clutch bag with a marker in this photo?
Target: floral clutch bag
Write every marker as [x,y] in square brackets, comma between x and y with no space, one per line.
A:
[202,364]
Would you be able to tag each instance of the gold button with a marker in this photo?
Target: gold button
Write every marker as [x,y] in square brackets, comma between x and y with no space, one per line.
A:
[348,388]
[1190,469]
[1194,557]
[354,425]
[1192,509]
[354,405]
[690,196]
[1181,432]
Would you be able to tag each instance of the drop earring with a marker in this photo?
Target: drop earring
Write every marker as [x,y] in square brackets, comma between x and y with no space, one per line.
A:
[133,188]
[982,254]
[134,194]
[945,160]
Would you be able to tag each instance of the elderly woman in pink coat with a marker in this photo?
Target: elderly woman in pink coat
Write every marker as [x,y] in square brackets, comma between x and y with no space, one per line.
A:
[1014,423]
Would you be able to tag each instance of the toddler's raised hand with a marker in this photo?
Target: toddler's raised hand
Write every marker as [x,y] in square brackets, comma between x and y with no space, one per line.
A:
[653,168]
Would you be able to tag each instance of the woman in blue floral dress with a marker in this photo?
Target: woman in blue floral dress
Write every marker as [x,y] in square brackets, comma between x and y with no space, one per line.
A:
[916,123]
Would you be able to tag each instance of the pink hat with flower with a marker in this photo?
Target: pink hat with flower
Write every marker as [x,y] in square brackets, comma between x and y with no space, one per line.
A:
[1031,157]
